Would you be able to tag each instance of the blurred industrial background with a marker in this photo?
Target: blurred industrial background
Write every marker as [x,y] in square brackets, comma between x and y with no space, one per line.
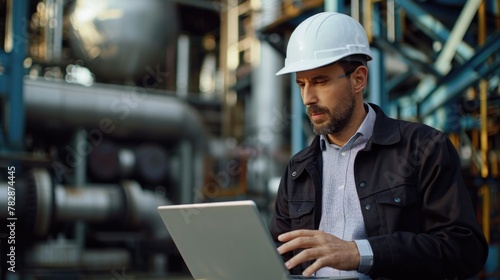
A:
[110,108]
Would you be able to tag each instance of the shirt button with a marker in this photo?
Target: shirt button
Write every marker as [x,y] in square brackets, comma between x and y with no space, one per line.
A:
[343,154]
[294,173]
[368,206]
[397,199]
[362,184]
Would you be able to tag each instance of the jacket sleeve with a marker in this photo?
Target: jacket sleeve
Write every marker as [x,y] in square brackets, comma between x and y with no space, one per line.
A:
[450,244]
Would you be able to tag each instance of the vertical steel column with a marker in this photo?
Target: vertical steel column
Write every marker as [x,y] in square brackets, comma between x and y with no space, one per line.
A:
[297,107]
[298,113]
[391,21]
[334,6]
[376,81]
[19,40]
[367,17]
[483,95]
[377,93]
[182,80]
[497,21]
[54,29]
[483,112]
[229,60]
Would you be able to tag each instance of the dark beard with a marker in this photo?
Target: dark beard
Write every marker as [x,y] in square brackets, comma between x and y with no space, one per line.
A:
[337,120]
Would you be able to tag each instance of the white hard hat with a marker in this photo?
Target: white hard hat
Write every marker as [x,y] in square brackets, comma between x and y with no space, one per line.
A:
[323,39]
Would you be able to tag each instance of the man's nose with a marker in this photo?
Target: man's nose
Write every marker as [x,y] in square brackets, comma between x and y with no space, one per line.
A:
[309,95]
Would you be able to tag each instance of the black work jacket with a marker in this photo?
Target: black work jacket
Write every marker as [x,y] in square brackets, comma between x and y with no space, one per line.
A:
[417,212]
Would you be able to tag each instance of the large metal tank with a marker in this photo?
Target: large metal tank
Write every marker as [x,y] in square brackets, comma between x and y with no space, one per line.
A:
[122,40]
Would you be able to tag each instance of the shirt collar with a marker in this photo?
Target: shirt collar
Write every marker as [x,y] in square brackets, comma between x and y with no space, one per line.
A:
[365,129]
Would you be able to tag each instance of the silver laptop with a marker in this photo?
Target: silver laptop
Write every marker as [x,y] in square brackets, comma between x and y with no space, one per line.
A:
[226,241]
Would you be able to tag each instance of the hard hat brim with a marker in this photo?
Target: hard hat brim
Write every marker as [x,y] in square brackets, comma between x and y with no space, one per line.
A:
[305,65]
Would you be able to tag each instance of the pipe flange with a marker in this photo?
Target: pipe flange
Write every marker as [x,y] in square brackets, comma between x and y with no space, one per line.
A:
[27,203]
[44,201]
[132,192]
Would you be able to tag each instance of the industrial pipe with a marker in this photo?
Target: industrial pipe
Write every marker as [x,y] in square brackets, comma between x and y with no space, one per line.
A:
[118,111]
[92,203]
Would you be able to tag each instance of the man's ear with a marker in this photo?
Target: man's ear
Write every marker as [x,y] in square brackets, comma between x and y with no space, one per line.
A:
[359,78]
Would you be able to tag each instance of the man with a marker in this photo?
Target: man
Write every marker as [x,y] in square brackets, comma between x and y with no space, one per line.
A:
[371,196]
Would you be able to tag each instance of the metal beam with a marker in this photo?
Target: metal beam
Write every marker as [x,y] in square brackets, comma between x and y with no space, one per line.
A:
[433,92]
[445,57]
[432,27]
[417,60]
[399,79]
[446,92]
[443,62]
[449,119]
[465,76]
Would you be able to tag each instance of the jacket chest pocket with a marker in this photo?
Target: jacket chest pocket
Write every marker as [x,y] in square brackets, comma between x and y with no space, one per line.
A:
[398,208]
[301,214]
[400,196]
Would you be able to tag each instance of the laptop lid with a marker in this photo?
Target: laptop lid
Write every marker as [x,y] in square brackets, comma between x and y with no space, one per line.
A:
[224,240]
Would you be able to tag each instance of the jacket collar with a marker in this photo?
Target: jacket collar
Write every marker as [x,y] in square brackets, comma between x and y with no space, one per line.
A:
[386,130]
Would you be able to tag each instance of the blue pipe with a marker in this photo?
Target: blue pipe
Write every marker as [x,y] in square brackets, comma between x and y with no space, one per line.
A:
[12,79]
[4,69]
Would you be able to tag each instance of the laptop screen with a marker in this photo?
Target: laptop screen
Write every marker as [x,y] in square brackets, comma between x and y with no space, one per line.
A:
[224,240]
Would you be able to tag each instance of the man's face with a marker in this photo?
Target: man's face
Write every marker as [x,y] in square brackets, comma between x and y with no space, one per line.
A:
[328,97]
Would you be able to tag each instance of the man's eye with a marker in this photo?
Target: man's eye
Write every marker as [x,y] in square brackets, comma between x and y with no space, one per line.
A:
[300,85]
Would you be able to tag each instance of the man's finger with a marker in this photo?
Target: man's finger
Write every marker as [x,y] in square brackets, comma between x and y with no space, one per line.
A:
[303,256]
[301,242]
[315,266]
[294,234]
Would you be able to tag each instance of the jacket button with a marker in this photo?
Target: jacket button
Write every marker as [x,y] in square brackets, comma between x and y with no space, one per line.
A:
[294,173]
[362,184]
[368,206]
[397,199]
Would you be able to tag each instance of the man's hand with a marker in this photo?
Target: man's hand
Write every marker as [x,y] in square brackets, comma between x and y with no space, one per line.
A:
[326,249]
